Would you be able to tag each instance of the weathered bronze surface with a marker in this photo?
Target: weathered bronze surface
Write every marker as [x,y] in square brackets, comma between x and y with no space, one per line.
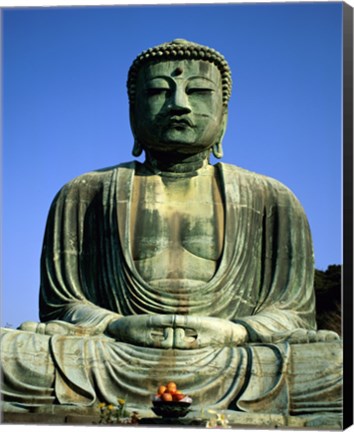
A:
[174,269]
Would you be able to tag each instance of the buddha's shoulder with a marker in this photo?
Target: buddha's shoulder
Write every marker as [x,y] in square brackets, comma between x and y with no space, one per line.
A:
[256,181]
[93,182]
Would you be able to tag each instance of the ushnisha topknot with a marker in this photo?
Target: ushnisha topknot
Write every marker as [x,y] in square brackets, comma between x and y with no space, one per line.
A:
[180,49]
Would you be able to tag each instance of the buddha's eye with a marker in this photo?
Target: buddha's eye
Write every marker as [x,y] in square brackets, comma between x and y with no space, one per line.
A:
[158,91]
[199,91]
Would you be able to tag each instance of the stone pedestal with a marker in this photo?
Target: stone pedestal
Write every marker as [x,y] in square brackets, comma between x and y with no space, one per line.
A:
[237,420]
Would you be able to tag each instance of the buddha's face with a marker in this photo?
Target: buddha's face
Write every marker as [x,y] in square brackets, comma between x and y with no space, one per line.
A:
[179,106]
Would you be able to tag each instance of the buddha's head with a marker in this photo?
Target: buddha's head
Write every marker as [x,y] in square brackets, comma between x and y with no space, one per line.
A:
[178,95]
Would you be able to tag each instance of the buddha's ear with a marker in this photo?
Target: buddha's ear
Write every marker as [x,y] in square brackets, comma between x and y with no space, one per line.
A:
[137,148]
[217,147]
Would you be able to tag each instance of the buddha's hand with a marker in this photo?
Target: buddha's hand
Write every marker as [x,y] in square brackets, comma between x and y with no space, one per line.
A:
[198,332]
[177,331]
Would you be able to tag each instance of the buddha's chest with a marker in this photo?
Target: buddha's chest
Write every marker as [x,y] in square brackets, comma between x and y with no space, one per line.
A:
[183,216]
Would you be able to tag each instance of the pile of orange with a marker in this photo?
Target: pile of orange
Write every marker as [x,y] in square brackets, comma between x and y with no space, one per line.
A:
[169,393]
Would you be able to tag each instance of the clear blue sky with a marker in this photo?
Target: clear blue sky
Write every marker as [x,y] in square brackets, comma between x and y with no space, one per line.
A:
[65,110]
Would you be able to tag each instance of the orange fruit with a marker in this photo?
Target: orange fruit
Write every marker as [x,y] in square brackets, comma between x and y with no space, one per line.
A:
[172,387]
[161,389]
[178,396]
[166,397]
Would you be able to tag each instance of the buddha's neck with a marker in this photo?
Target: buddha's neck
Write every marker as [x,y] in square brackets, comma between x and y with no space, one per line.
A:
[176,165]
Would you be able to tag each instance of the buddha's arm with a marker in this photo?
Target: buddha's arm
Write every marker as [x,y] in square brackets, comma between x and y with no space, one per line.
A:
[286,301]
[68,292]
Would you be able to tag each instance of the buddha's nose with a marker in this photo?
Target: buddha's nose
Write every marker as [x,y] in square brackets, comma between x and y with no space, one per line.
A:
[179,101]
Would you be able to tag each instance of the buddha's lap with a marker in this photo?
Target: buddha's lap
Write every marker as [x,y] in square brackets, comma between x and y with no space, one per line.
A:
[208,374]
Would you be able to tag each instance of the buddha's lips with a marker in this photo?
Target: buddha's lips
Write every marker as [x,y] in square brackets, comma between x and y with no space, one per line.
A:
[178,121]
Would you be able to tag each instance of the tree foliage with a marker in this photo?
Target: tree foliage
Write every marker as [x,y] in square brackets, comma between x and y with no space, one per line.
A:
[328,298]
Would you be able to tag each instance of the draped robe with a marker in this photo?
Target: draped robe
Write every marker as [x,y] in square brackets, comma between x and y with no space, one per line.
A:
[264,281]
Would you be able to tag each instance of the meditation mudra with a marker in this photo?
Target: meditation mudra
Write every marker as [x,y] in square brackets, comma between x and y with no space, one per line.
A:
[176,269]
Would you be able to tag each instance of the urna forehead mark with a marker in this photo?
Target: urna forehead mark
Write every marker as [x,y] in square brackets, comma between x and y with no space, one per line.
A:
[178,71]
